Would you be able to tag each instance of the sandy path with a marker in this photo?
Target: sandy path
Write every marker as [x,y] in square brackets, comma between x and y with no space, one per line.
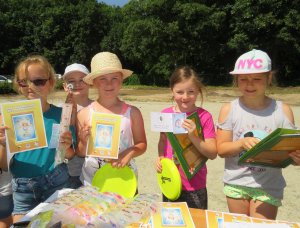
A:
[216,200]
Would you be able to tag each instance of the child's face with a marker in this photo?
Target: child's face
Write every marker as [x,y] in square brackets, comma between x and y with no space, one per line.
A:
[109,85]
[253,85]
[79,87]
[185,94]
[37,84]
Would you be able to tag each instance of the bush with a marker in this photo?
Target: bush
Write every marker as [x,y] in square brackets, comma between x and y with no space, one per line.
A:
[59,84]
[132,80]
[6,88]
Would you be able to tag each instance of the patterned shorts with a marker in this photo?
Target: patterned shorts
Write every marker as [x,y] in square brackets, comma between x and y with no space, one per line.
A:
[242,192]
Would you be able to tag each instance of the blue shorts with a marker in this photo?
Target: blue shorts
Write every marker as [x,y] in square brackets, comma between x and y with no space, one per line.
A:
[74,182]
[29,192]
[6,206]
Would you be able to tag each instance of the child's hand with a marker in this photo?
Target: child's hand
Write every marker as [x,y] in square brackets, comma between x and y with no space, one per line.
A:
[70,98]
[84,133]
[295,155]
[189,125]
[2,135]
[66,139]
[122,161]
[158,165]
[249,142]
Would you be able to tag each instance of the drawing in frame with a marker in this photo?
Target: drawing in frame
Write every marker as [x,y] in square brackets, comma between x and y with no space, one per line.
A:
[105,135]
[26,129]
[190,159]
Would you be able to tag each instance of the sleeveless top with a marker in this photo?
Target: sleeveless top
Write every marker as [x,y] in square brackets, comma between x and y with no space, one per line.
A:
[92,164]
[242,120]
[199,180]
[76,163]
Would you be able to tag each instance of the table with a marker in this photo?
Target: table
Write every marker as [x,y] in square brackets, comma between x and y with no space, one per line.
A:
[198,216]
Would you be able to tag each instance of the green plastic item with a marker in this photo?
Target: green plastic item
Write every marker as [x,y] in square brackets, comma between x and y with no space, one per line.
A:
[169,179]
[117,180]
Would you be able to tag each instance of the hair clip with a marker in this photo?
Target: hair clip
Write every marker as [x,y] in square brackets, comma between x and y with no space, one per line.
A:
[70,86]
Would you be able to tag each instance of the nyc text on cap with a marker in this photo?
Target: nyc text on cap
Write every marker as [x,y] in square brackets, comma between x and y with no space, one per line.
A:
[252,62]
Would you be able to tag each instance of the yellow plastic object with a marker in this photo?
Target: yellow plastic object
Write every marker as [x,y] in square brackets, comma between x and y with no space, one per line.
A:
[169,179]
[117,180]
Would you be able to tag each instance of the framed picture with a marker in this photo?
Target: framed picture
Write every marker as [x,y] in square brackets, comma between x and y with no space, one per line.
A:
[274,149]
[105,135]
[173,214]
[187,154]
[26,125]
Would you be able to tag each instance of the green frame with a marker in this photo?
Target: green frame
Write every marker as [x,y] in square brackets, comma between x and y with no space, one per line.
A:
[273,150]
[187,154]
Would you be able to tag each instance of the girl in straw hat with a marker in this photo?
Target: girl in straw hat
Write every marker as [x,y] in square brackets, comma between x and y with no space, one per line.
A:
[107,76]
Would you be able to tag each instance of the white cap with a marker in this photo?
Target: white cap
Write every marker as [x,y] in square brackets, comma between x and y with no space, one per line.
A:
[75,67]
[252,62]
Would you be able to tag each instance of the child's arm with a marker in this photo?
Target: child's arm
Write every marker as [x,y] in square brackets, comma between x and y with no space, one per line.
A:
[3,158]
[66,141]
[161,146]
[288,112]
[208,147]
[83,132]
[295,155]
[225,146]
[139,139]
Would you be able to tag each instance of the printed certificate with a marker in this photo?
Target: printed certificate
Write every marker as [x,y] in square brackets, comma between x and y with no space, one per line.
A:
[105,135]
[168,122]
[26,125]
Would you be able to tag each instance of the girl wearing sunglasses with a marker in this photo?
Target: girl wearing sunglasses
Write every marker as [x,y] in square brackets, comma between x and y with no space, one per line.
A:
[35,175]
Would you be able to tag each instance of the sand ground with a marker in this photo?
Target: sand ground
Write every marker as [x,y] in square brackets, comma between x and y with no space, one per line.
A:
[216,201]
[148,100]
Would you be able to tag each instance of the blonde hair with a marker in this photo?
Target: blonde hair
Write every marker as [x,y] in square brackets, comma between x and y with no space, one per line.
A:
[184,73]
[266,74]
[22,68]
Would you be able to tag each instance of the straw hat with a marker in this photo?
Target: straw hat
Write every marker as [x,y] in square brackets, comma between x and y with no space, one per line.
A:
[105,63]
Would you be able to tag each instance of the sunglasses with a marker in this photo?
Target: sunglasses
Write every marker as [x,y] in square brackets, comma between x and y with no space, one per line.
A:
[36,82]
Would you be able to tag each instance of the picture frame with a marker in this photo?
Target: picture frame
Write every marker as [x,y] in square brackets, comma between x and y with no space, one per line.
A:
[172,214]
[105,135]
[273,150]
[190,159]
[26,129]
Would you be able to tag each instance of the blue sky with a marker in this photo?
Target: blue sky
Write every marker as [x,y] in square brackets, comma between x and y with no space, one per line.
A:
[114,2]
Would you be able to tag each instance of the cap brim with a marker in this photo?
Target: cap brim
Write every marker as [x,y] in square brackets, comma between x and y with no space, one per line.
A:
[248,72]
[91,76]
[66,74]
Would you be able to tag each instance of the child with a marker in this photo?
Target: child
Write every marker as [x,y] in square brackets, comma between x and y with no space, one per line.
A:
[254,191]
[35,175]
[78,94]
[107,76]
[186,87]
[6,205]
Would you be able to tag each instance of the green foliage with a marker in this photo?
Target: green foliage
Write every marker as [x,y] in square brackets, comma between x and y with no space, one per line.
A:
[152,37]
[59,84]
[132,80]
[6,88]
